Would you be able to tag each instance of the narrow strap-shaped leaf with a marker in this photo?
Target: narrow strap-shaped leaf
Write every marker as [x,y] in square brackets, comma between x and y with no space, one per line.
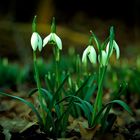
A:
[87,108]
[57,110]
[120,91]
[59,89]
[81,87]
[92,78]
[105,124]
[62,84]
[46,95]
[67,111]
[49,120]
[104,118]
[90,107]
[121,103]
[90,92]
[49,82]
[84,105]
[33,91]
[28,104]
[71,96]
[43,91]
[96,40]
[64,99]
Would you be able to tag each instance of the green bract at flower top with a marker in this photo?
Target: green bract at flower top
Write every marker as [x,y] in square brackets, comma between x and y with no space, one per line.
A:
[52,37]
[36,41]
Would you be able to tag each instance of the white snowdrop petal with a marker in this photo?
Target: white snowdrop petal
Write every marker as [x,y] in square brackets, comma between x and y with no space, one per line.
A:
[46,40]
[116,47]
[39,43]
[104,58]
[58,41]
[92,54]
[34,41]
[84,56]
[107,49]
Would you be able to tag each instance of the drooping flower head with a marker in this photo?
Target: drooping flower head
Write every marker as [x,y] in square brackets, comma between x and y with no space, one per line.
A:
[36,41]
[104,56]
[114,47]
[52,37]
[90,53]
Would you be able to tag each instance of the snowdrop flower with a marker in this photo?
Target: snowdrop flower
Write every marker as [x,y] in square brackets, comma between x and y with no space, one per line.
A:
[90,53]
[107,53]
[103,58]
[52,37]
[114,46]
[36,41]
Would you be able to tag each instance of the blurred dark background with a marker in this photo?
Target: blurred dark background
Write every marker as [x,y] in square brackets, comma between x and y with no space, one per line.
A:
[74,19]
[24,10]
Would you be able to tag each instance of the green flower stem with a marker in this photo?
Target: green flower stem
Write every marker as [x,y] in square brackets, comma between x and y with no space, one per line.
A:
[57,58]
[98,101]
[57,74]
[39,87]
[78,64]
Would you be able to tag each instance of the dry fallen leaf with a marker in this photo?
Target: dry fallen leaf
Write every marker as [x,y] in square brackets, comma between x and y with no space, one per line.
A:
[88,133]
[72,138]
[13,125]
[30,124]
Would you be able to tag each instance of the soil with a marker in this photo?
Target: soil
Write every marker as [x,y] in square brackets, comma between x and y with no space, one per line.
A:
[17,122]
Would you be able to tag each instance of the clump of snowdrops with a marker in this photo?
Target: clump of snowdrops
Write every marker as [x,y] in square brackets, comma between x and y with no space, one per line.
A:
[66,95]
